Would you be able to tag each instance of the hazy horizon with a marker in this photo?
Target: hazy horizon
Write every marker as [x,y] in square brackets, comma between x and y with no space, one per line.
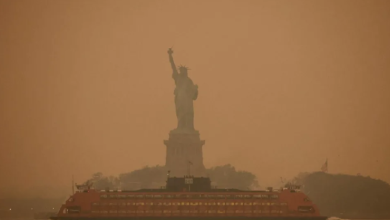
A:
[85,86]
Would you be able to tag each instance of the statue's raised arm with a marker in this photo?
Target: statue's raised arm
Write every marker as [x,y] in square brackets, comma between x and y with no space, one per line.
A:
[174,69]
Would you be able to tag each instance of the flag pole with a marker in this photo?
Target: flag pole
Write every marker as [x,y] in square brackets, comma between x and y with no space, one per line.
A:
[72,185]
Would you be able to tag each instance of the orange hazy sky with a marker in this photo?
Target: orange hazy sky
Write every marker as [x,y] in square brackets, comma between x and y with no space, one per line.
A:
[86,86]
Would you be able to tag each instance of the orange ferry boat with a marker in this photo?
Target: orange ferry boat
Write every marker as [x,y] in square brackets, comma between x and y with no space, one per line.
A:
[188,198]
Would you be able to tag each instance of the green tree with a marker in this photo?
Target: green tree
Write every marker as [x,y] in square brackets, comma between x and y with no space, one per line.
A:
[147,177]
[228,177]
[104,182]
[346,195]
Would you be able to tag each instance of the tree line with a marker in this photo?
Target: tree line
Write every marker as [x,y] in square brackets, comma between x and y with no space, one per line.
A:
[154,177]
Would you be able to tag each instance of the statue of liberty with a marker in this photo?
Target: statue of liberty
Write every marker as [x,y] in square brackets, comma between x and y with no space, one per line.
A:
[185,93]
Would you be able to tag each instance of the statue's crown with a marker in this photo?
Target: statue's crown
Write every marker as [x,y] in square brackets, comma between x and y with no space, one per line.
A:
[182,67]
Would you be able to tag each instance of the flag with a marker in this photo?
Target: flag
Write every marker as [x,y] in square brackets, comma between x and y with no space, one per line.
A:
[324,167]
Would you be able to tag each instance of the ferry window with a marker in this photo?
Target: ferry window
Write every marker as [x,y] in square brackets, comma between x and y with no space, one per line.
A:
[194,211]
[248,211]
[157,211]
[229,211]
[140,196]
[228,196]
[238,196]
[95,212]
[104,211]
[212,211]
[104,204]
[104,196]
[274,204]
[200,203]
[157,196]
[232,203]
[239,211]
[122,211]
[112,203]
[113,211]
[264,196]
[257,196]
[255,203]
[122,196]
[188,196]
[111,196]
[130,211]
[122,203]
[95,204]
[213,203]
[187,203]
[160,203]
[140,211]
[176,211]
[130,203]
[140,203]
[274,211]
[185,211]
[274,196]
[149,196]
[130,196]
[248,203]
[247,196]
[167,211]
[221,211]
[221,196]
[283,203]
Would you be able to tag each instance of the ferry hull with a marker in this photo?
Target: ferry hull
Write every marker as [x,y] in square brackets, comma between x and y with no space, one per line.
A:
[196,218]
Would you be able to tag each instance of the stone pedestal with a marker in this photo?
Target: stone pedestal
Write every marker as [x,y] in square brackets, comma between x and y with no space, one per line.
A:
[183,147]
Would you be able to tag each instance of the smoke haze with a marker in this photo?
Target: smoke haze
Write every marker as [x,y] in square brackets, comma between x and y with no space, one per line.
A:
[86,86]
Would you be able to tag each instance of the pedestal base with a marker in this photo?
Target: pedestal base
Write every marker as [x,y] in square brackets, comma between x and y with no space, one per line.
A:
[184,154]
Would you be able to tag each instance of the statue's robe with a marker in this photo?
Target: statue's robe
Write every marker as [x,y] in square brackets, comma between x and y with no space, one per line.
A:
[185,93]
